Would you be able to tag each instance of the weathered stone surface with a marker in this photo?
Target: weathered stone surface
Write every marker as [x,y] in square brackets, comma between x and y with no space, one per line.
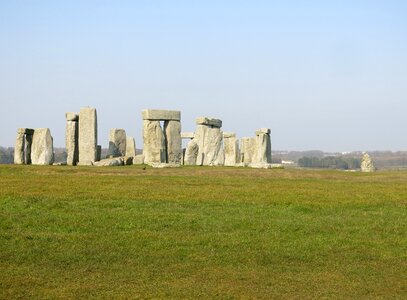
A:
[210,143]
[108,162]
[191,153]
[154,148]
[87,136]
[138,159]
[367,164]
[71,142]
[130,146]
[209,122]
[71,116]
[262,151]
[117,143]
[187,135]
[231,149]
[161,115]
[172,133]
[19,148]
[42,150]
[247,149]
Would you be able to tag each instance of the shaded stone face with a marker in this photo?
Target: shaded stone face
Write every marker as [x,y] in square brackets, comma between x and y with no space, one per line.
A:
[87,136]
[172,131]
[130,147]
[42,151]
[154,149]
[117,143]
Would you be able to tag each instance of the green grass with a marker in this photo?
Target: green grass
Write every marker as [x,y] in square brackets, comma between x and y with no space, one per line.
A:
[196,232]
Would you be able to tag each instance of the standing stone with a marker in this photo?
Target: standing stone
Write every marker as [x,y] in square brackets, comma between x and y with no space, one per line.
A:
[42,151]
[247,149]
[231,149]
[71,138]
[87,136]
[191,153]
[19,148]
[130,147]
[28,146]
[367,164]
[154,149]
[98,153]
[209,138]
[117,143]
[262,151]
[172,131]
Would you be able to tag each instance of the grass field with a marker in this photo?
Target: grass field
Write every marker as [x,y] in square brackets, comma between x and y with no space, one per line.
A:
[196,232]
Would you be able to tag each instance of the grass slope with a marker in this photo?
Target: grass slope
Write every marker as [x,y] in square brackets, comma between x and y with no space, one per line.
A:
[227,233]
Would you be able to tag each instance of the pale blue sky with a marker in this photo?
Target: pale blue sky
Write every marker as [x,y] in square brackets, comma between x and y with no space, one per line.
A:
[329,75]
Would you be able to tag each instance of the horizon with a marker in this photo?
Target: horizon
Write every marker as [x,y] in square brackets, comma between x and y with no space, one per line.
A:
[327,76]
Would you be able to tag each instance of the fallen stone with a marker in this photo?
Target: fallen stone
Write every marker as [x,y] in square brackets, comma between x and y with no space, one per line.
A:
[108,162]
[42,151]
[161,115]
[164,165]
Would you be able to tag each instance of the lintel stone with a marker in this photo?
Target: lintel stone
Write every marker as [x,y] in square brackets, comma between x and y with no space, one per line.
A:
[164,115]
[187,135]
[209,121]
[229,135]
[71,116]
[263,131]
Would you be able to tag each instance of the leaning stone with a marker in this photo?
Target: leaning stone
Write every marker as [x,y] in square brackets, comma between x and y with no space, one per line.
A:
[42,151]
[172,131]
[209,122]
[161,115]
[138,159]
[154,148]
[130,146]
[71,116]
[117,161]
[191,153]
[19,148]
[87,136]
[71,142]
[117,143]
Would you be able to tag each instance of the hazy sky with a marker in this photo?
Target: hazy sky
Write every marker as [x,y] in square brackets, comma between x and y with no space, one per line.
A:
[329,75]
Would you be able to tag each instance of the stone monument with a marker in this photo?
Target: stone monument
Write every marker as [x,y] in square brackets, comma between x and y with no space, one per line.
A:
[87,136]
[71,138]
[367,164]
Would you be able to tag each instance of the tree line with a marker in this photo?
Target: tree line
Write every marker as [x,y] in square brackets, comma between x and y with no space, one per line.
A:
[330,162]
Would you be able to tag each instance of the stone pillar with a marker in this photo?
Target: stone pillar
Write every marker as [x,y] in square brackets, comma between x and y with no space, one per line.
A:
[262,153]
[98,153]
[172,131]
[42,147]
[231,149]
[159,146]
[154,150]
[130,147]
[117,143]
[191,153]
[19,147]
[87,136]
[209,138]
[247,149]
[71,138]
